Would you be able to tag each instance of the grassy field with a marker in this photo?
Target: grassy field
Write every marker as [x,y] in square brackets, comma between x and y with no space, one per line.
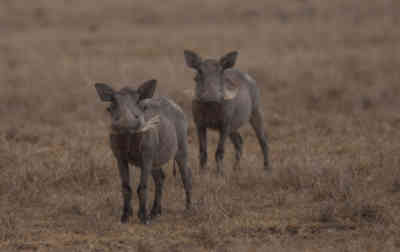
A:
[329,74]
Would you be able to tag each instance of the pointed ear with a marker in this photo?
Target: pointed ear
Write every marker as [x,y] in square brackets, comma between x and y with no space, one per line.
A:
[192,59]
[147,89]
[228,60]
[105,92]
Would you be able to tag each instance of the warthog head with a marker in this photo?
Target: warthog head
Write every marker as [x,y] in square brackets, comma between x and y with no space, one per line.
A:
[126,113]
[210,84]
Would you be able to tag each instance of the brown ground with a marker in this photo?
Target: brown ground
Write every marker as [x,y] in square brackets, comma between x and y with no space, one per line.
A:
[329,73]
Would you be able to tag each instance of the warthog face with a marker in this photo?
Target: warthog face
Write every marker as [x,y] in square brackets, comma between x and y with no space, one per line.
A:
[210,84]
[126,114]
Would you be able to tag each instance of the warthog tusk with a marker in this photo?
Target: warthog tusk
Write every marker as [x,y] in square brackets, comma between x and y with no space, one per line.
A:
[230,94]
[231,88]
[152,123]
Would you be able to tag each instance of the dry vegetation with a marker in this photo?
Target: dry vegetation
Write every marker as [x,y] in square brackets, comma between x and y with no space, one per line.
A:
[329,72]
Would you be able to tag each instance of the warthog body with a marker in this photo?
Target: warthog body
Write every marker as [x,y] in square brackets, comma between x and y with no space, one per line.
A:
[146,132]
[224,100]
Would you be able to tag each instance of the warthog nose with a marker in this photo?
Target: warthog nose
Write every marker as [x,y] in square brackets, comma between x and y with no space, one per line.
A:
[119,125]
[127,125]
[208,98]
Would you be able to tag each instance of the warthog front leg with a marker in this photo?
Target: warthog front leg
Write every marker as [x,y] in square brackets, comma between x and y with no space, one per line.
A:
[158,177]
[219,154]
[238,144]
[257,124]
[126,189]
[202,134]
[142,190]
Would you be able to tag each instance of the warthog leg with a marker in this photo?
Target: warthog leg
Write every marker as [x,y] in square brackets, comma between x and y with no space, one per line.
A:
[158,177]
[256,123]
[238,144]
[186,175]
[142,190]
[202,134]
[126,189]
[219,154]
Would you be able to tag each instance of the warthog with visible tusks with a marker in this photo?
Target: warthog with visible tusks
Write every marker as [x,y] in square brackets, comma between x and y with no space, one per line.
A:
[146,132]
[224,99]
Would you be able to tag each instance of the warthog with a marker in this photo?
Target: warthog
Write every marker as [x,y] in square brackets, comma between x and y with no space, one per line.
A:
[224,99]
[146,132]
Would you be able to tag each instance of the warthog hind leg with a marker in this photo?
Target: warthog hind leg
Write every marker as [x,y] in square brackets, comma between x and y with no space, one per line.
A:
[256,123]
[186,175]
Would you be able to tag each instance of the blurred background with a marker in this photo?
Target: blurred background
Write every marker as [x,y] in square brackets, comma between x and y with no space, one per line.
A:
[329,76]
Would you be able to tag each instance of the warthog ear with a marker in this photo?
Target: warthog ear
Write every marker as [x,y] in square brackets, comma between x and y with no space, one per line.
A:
[105,92]
[228,60]
[147,89]
[192,59]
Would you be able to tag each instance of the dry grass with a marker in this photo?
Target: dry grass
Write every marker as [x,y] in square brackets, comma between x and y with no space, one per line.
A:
[329,76]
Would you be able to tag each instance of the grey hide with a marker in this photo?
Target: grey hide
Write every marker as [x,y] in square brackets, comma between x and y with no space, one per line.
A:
[225,99]
[146,132]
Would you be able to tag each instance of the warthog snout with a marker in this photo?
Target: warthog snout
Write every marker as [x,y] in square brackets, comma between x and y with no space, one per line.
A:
[209,89]
[210,95]
[128,125]
[127,119]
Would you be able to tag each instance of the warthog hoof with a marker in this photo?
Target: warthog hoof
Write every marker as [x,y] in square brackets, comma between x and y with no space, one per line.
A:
[236,166]
[203,169]
[125,216]
[144,219]
[155,212]
[218,173]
